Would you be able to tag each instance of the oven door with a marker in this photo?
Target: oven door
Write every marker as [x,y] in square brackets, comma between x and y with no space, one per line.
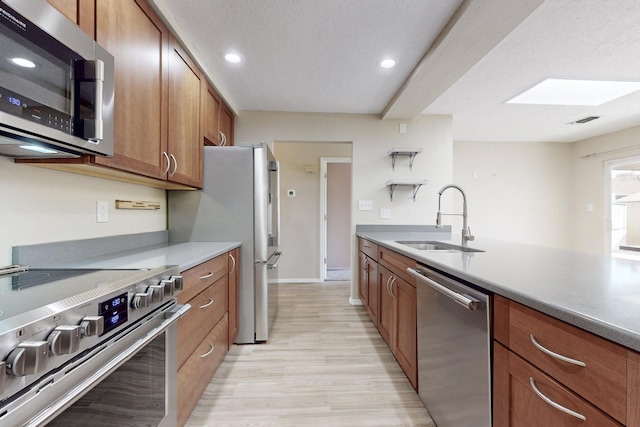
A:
[128,380]
[56,85]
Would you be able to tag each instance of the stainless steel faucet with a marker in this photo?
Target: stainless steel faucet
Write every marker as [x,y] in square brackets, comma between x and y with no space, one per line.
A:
[466,232]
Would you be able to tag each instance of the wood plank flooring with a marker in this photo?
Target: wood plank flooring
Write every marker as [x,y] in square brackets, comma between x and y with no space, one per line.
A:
[324,365]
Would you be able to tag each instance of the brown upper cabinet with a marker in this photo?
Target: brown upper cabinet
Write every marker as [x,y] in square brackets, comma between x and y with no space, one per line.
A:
[80,12]
[162,119]
[184,147]
[139,41]
[218,119]
[157,120]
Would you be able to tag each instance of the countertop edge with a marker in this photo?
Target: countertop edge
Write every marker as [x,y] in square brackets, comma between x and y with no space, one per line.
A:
[594,325]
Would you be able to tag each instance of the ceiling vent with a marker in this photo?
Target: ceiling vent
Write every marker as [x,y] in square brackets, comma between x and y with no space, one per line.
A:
[585,120]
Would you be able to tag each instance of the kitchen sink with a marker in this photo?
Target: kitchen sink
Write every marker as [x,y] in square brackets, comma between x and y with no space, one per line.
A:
[435,246]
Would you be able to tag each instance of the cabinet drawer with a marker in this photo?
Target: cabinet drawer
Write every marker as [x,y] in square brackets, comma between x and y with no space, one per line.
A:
[196,373]
[397,264]
[201,276]
[529,388]
[369,248]
[207,308]
[602,379]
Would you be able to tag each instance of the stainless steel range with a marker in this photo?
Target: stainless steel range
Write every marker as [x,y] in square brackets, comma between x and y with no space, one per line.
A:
[88,347]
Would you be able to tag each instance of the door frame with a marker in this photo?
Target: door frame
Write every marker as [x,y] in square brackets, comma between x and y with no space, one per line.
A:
[608,166]
[324,161]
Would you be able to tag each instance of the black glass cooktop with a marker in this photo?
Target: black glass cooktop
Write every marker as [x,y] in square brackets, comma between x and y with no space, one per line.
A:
[35,288]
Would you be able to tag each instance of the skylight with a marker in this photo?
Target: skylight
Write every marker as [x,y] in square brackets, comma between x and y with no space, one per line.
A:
[575,92]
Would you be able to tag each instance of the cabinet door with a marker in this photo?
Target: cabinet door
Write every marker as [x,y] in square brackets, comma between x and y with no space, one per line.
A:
[234,267]
[185,128]
[405,328]
[212,109]
[362,278]
[372,290]
[386,315]
[80,12]
[226,124]
[523,397]
[138,40]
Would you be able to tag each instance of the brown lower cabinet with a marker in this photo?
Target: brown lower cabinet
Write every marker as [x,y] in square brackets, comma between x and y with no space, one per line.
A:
[204,333]
[397,318]
[389,296]
[550,373]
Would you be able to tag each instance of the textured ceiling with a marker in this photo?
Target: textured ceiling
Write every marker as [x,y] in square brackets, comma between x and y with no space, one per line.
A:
[575,39]
[308,55]
[463,59]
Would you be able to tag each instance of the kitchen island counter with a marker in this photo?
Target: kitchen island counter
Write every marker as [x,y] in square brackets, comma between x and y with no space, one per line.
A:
[596,293]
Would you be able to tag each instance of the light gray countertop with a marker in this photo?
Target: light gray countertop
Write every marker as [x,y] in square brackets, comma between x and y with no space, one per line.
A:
[184,255]
[597,293]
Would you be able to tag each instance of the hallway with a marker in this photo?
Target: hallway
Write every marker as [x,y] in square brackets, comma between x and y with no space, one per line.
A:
[325,365]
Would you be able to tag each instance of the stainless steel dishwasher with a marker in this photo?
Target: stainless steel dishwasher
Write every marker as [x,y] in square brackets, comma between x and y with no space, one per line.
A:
[454,350]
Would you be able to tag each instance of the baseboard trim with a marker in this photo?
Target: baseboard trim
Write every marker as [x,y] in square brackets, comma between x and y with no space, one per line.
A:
[355,301]
[305,280]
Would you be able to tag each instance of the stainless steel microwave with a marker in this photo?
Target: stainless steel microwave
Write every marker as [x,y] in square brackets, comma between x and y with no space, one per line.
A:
[56,85]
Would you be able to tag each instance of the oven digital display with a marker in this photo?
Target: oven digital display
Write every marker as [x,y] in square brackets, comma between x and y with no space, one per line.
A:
[114,311]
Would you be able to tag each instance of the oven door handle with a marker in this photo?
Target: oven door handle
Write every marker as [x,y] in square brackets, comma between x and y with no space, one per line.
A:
[78,391]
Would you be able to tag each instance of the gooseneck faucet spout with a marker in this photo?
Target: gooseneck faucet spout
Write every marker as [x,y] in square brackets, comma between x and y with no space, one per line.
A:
[466,232]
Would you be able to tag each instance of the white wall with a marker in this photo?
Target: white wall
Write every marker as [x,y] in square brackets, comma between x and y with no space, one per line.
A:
[40,206]
[300,215]
[588,181]
[372,138]
[520,192]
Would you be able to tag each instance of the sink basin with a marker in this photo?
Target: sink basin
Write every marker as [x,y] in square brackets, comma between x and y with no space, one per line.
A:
[435,246]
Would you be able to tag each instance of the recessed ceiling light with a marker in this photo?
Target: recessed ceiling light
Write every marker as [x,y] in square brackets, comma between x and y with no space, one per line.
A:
[23,62]
[575,92]
[233,58]
[387,63]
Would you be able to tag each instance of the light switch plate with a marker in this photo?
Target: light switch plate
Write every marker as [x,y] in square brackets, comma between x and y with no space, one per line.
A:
[365,205]
[102,211]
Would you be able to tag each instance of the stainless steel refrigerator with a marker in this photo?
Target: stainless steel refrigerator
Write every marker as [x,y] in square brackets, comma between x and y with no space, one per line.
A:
[239,202]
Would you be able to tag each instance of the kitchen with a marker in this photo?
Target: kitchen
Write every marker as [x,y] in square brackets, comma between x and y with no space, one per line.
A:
[563,182]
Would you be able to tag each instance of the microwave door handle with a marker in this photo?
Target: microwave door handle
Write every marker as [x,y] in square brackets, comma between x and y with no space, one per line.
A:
[89,71]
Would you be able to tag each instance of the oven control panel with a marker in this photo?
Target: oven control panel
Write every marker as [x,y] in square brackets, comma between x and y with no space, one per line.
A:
[29,351]
[114,311]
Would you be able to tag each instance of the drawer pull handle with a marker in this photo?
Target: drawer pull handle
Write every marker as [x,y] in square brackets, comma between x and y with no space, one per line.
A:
[208,303]
[208,352]
[556,355]
[206,276]
[554,404]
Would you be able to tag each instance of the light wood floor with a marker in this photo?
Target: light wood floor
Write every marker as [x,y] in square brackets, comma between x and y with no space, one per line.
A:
[324,365]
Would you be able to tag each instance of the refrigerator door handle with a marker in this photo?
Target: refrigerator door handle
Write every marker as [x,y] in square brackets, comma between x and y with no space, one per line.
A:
[268,261]
[274,264]
[274,202]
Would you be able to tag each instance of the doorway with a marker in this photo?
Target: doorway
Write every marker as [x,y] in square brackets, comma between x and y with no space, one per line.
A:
[623,194]
[335,197]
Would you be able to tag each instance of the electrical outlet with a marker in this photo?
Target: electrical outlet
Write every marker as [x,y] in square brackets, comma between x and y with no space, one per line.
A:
[365,205]
[102,211]
[385,213]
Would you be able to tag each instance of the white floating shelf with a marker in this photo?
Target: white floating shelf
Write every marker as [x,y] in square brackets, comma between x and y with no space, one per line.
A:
[415,184]
[410,152]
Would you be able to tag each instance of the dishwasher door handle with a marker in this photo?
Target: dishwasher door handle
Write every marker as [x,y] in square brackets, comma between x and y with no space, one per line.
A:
[468,303]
